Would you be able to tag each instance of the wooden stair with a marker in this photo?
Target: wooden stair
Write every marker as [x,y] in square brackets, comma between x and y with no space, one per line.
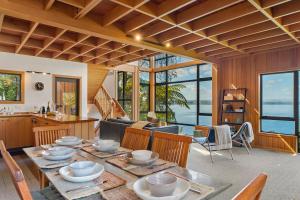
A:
[107,106]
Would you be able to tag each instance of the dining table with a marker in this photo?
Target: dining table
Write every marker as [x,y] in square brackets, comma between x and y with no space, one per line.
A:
[116,182]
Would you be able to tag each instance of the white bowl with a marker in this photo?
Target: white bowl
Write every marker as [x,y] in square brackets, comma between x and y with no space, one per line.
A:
[141,155]
[141,188]
[106,145]
[59,151]
[82,168]
[69,138]
[161,184]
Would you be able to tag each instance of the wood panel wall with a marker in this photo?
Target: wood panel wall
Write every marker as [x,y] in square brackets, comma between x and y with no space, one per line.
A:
[96,76]
[244,72]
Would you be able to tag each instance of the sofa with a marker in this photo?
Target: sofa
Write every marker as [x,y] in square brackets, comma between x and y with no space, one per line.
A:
[114,129]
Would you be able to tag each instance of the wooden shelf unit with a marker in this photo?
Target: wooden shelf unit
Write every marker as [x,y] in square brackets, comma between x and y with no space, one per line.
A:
[231,115]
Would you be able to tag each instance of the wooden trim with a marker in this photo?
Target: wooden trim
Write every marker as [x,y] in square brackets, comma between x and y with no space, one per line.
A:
[179,65]
[22,86]
[54,76]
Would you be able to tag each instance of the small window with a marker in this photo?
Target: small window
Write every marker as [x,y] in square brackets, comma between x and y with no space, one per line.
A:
[11,87]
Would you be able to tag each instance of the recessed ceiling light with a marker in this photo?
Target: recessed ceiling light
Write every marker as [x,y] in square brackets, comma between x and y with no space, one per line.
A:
[138,37]
[168,44]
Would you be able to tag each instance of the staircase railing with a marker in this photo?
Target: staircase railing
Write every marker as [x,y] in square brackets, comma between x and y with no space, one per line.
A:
[107,106]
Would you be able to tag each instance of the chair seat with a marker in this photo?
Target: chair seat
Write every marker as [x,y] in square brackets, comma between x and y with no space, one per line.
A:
[200,140]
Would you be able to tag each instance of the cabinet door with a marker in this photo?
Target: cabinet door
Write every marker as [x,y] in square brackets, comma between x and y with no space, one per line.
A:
[12,133]
[18,132]
[2,128]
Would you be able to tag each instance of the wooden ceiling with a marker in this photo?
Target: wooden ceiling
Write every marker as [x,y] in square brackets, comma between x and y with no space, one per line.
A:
[103,31]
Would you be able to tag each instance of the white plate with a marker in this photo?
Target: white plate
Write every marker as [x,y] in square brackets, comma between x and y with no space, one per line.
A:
[67,174]
[140,187]
[71,143]
[48,156]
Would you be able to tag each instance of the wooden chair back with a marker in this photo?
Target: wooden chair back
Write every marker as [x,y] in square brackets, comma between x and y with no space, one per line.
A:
[253,190]
[205,130]
[48,134]
[16,174]
[172,147]
[136,139]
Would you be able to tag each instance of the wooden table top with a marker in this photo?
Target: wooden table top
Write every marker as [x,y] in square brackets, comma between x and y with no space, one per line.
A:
[195,177]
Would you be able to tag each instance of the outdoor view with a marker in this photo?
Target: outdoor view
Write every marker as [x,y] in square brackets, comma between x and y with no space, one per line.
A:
[10,87]
[278,101]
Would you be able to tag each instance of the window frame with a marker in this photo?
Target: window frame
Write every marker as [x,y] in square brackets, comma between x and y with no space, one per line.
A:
[122,101]
[166,83]
[22,86]
[295,118]
[148,85]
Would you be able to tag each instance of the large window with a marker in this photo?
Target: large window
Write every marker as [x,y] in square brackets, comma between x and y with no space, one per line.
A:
[10,87]
[125,87]
[183,96]
[144,95]
[279,103]
[144,63]
[162,60]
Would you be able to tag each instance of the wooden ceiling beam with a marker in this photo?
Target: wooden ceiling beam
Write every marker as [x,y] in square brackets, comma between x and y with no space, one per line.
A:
[294,27]
[198,44]
[56,17]
[156,29]
[271,3]
[288,8]
[256,36]
[209,48]
[87,8]
[76,3]
[218,52]
[171,34]
[48,4]
[49,41]
[27,36]
[243,22]
[272,46]
[68,46]
[290,19]
[203,9]
[263,42]
[1,20]
[269,14]
[258,28]
[9,39]
[234,12]
[186,40]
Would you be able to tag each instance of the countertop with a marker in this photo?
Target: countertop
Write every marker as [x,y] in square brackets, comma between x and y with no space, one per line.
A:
[63,119]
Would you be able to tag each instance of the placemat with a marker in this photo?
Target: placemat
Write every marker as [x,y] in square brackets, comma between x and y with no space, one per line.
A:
[122,193]
[159,165]
[43,163]
[102,155]
[106,181]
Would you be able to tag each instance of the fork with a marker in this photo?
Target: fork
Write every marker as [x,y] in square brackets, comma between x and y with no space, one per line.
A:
[86,186]
[156,165]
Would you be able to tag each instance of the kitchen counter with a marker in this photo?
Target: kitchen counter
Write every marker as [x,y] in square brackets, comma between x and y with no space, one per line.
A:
[65,119]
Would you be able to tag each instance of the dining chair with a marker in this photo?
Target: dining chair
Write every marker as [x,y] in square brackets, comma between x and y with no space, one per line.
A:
[15,173]
[171,147]
[48,134]
[136,139]
[253,190]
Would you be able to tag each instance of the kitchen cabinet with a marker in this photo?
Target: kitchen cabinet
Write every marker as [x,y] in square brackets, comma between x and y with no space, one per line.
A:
[16,132]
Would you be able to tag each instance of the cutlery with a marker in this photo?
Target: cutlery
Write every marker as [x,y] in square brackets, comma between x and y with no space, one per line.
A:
[86,186]
[156,165]
[60,163]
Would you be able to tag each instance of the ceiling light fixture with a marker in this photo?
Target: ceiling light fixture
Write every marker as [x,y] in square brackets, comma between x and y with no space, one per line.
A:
[138,37]
[168,44]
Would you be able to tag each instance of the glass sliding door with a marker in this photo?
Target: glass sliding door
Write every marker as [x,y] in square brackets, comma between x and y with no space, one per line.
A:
[144,95]
[67,95]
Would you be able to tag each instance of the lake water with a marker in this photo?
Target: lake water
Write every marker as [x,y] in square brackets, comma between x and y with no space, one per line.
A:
[189,116]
